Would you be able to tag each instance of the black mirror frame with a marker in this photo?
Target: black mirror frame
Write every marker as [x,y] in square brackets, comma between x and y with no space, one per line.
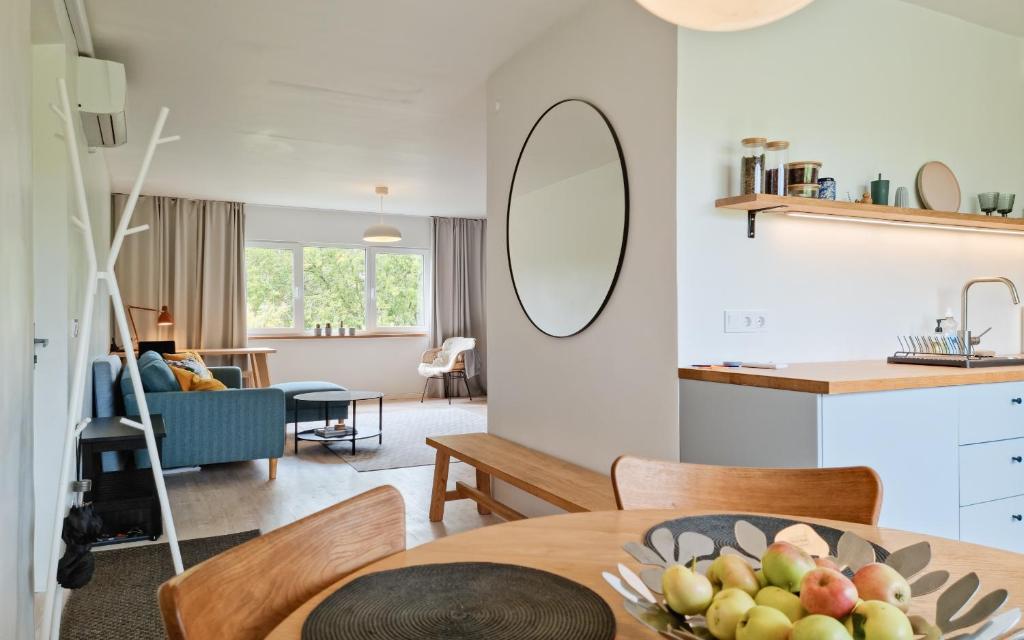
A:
[625,216]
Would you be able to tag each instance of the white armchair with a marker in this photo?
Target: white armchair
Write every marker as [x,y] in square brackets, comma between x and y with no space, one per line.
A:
[447,363]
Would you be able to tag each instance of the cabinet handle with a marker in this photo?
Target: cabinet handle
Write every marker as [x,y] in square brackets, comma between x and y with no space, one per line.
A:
[1017,459]
[1017,400]
[1018,517]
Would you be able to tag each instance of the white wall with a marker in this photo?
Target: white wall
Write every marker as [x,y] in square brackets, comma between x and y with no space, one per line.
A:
[866,87]
[612,389]
[381,364]
[15,320]
[59,262]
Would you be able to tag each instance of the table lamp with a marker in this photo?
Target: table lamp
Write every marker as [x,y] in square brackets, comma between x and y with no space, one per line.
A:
[163,318]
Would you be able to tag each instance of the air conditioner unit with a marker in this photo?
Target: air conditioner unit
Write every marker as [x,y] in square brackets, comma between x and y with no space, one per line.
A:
[101,89]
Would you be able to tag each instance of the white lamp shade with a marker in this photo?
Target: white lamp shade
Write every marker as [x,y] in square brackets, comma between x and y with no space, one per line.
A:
[382,233]
[722,15]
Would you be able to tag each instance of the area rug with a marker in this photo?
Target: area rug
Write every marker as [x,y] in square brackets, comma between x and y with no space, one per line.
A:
[405,434]
[120,600]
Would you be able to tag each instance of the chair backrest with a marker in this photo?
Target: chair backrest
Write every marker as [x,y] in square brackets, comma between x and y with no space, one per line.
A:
[453,350]
[850,494]
[246,591]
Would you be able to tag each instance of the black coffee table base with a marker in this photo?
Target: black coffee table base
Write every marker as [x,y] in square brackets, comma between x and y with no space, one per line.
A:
[348,435]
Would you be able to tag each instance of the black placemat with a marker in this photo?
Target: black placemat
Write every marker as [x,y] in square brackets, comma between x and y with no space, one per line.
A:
[721,528]
[461,601]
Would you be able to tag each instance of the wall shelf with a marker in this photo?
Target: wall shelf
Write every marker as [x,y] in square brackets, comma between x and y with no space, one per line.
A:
[870,213]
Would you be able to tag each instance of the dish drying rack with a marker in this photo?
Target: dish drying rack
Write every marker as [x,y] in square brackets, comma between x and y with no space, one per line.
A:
[953,350]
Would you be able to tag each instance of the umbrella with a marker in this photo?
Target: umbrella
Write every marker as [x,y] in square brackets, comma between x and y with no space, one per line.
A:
[81,529]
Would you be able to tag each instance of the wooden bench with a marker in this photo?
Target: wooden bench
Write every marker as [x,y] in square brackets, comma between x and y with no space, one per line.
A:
[561,483]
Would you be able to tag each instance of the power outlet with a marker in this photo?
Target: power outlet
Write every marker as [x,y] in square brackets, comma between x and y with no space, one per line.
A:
[746,320]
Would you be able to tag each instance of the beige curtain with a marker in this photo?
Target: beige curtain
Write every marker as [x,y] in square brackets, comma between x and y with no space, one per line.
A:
[192,260]
[459,246]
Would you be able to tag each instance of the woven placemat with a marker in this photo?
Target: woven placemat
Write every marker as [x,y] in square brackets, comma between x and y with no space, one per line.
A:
[721,528]
[461,601]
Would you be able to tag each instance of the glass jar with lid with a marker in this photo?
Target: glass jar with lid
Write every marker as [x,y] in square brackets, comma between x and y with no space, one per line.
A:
[752,165]
[776,157]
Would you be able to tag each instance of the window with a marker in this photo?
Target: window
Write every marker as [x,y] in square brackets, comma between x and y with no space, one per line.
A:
[290,288]
[269,288]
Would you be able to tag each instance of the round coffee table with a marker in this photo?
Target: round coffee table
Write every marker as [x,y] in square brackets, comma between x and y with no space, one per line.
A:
[344,435]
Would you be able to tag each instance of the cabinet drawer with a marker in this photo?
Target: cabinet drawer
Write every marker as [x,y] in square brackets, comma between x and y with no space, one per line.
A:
[991,412]
[997,524]
[991,471]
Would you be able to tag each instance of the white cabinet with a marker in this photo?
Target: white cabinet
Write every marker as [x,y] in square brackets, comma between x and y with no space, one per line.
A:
[910,439]
[991,411]
[995,524]
[947,456]
[991,471]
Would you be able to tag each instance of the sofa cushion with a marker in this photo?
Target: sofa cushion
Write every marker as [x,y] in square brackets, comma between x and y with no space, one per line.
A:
[292,389]
[189,380]
[156,376]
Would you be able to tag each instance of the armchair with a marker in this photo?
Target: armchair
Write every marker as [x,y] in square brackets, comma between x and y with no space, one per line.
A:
[447,363]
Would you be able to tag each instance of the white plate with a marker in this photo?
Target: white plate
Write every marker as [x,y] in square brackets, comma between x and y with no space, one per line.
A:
[938,187]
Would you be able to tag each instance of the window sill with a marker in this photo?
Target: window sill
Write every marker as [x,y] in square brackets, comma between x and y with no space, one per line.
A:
[360,336]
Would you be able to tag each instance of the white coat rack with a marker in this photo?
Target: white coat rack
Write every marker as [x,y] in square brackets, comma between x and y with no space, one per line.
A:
[76,424]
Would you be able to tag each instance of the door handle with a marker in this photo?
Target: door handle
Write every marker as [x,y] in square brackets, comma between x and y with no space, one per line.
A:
[1018,517]
[45,342]
[1017,459]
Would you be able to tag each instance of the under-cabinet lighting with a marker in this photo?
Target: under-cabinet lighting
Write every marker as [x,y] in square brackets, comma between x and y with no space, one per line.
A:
[897,223]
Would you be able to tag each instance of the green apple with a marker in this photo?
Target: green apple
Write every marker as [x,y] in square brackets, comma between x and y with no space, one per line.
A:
[877,620]
[686,591]
[785,565]
[763,623]
[730,571]
[818,627]
[782,600]
[726,611]
[762,581]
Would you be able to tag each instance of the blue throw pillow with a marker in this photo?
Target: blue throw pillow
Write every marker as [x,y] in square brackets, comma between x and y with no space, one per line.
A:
[156,375]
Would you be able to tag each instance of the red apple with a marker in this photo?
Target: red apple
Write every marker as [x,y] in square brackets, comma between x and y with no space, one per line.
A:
[881,582]
[828,563]
[828,592]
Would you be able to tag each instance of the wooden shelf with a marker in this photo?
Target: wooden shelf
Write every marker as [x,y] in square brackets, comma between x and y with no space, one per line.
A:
[855,212]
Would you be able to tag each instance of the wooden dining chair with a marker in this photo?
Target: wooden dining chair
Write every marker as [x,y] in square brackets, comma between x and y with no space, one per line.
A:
[248,590]
[850,494]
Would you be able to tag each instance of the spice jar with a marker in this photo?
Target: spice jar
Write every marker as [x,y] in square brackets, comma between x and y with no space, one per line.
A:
[777,156]
[752,165]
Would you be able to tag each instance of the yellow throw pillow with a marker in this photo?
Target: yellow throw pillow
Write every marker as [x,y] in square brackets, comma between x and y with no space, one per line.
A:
[193,382]
[189,360]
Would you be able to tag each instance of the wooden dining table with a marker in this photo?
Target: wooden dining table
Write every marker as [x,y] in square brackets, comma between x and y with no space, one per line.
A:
[580,546]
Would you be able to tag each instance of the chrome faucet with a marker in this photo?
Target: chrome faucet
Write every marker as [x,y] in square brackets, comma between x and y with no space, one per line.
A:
[969,340]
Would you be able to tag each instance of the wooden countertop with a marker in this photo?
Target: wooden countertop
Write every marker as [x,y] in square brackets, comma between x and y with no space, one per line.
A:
[852,377]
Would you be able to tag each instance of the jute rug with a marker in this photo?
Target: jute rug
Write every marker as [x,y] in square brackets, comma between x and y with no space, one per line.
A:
[405,434]
[120,600]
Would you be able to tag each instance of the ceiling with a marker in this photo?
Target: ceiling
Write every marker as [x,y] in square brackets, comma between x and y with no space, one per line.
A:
[1002,15]
[311,103]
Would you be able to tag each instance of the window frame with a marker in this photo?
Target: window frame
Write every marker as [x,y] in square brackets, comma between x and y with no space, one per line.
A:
[370,253]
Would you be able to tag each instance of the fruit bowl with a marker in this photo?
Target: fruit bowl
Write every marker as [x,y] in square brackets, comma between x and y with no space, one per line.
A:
[739,577]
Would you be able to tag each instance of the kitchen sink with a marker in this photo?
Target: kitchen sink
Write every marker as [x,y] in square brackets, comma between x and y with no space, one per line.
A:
[963,362]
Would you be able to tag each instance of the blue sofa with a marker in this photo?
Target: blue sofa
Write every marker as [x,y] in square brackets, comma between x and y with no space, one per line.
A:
[203,427]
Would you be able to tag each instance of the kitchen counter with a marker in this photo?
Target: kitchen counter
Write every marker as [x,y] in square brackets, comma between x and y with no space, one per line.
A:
[833,378]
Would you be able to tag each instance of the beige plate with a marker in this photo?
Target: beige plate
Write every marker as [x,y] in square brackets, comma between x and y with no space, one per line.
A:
[938,187]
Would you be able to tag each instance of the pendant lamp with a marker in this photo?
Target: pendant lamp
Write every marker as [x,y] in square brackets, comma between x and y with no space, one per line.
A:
[722,15]
[381,232]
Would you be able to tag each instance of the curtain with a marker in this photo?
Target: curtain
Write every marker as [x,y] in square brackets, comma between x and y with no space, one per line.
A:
[191,260]
[459,280]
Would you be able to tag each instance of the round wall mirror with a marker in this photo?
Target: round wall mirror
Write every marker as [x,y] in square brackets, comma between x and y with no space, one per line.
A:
[568,216]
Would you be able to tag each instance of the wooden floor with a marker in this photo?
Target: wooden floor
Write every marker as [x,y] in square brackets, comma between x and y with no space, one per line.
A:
[234,497]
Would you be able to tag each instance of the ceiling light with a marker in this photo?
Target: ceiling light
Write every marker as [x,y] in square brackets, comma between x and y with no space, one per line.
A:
[722,15]
[382,232]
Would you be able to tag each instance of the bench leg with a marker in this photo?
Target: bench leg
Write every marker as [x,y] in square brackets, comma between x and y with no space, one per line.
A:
[273,468]
[437,496]
[483,484]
